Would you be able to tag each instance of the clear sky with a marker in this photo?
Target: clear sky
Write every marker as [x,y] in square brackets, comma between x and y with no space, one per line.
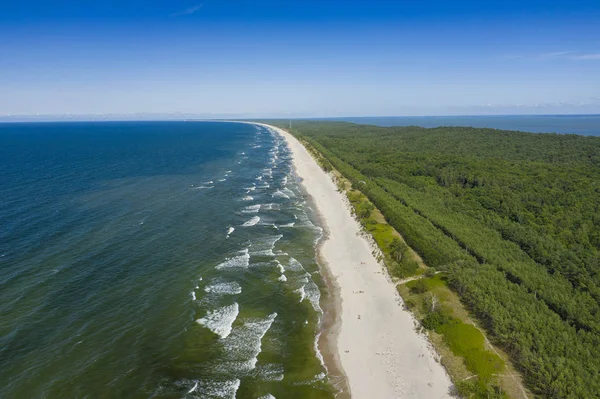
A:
[307,58]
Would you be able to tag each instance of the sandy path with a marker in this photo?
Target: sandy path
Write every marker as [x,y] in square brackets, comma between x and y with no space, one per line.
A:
[379,350]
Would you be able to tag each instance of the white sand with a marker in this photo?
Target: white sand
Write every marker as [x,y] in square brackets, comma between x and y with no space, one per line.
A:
[379,349]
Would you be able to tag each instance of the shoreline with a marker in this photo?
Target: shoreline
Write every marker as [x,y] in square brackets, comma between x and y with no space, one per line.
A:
[331,319]
[367,337]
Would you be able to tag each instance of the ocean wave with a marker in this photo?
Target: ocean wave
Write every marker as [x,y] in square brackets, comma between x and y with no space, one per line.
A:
[268,242]
[295,266]
[251,209]
[315,379]
[301,292]
[282,278]
[247,198]
[245,343]
[318,351]
[252,222]
[220,321]
[280,194]
[287,225]
[230,230]
[231,288]
[271,241]
[313,294]
[264,252]
[269,207]
[242,261]
[193,296]
[217,389]
[288,192]
[280,266]
[194,387]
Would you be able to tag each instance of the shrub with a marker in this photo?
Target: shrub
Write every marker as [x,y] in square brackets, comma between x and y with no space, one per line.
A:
[435,320]
[419,287]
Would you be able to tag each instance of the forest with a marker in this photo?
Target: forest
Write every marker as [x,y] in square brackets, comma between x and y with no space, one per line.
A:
[512,220]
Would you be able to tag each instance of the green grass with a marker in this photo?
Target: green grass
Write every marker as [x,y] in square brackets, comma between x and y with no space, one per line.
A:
[462,338]
[383,234]
[467,341]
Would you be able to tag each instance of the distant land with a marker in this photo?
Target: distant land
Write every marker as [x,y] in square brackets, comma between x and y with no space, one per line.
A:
[588,125]
[583,124]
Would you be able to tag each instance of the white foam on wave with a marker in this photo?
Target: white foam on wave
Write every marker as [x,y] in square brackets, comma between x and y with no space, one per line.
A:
[269,207]
[295,266]
[273,240]
[267,396]
[247,198]
[222,180]
[251,209]
[231,288]
[270,243]
[194,295]
[220,321]
[282,278]
[280,267]
[318,351]
[242,261]
[217,389]
[280,194]
[284,180]
[313,294]
[287,225]
[193,388]
[252,222]
[245,343]
[229,231]
[203,187]
[288,192]
[301,292]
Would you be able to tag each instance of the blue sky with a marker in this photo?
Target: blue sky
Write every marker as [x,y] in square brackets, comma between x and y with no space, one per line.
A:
[305,58]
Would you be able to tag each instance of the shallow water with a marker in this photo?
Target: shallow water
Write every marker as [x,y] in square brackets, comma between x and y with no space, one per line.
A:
[164,260]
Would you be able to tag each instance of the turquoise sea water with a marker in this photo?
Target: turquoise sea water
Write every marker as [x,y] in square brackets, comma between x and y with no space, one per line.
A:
[155,260]
[588,125]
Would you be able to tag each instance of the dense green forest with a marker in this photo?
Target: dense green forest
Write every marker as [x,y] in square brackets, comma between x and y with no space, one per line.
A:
[513,220]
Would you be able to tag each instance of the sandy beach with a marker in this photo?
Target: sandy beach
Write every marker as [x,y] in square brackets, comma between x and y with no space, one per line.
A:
[377,346]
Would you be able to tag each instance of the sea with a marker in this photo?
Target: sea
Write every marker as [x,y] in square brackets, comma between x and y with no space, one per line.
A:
[156,260]
[587,125]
